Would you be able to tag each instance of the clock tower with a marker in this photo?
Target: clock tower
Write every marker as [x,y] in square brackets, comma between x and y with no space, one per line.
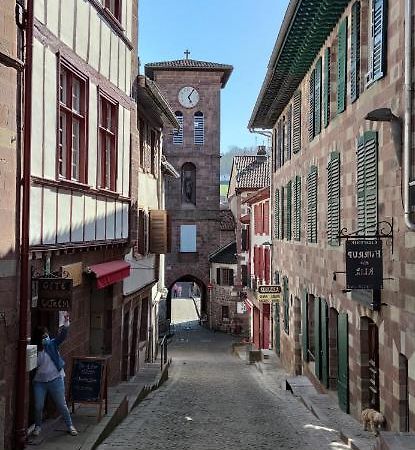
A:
[193,90]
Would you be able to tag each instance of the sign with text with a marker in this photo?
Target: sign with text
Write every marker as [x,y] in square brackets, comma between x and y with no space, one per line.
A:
[364,264]
[54,294]
[271,293]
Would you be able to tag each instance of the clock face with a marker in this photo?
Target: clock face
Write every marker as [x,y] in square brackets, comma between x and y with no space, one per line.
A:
[188,97]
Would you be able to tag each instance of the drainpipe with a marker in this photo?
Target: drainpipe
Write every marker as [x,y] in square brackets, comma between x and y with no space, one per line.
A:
[407,147]
[20,431]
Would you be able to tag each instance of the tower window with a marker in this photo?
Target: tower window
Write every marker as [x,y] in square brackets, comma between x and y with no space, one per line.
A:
[199,128]
[178,134]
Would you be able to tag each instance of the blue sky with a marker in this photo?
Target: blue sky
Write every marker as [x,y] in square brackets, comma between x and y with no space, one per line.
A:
[237,32]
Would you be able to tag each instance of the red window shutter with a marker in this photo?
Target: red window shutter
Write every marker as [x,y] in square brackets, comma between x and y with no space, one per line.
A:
[256,219]
[266,217]
[267,266]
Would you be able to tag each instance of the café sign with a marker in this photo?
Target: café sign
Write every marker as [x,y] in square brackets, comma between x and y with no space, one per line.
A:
[364,264]
[54,294]
[269,293]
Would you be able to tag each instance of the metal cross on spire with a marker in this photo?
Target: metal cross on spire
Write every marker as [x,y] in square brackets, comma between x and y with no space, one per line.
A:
[187,53]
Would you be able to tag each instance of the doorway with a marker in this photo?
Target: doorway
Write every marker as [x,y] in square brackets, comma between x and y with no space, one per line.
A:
[266,325]
[134,343]
[125,355]
[333,348]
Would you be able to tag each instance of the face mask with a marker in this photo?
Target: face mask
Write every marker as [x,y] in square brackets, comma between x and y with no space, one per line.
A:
[45,340]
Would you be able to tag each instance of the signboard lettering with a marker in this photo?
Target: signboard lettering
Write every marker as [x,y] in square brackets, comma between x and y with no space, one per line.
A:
[364,264]
[272,289]
[54,293]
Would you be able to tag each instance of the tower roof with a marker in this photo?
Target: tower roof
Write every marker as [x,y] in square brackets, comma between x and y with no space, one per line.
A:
[190,64]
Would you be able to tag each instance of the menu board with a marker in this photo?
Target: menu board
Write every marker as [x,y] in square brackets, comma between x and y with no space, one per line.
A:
[87,379]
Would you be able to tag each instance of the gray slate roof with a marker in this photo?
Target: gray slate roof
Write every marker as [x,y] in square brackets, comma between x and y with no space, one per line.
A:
[190,64]
[224,255]
[252,171]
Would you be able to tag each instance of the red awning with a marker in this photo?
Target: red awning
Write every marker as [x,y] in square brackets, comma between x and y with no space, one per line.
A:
[110,272]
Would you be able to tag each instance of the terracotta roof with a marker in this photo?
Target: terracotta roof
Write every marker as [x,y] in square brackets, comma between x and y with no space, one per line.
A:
[227,221]
[225,254]
[190,64]
[252,171]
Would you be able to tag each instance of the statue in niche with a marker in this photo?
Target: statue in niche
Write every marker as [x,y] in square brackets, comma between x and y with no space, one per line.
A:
[188,185]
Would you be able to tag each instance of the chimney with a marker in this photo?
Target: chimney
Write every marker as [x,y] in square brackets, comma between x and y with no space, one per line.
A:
[262,152]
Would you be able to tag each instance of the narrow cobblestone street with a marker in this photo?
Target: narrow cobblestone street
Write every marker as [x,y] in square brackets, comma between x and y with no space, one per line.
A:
[213,400]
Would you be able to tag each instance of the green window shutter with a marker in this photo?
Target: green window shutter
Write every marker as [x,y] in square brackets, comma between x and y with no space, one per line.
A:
[281,143]
[342,66]
[317,97]
[326,88]
[317,338]
[379,28]
[312,205]
[333,199]
[355,53]
[286,297]
[324,314]
[311,109]
[289,211]
[274,150]
[304,323]
[282,213]
[367,183]
[297,208]
[288,127]
[277,215]
[296,118]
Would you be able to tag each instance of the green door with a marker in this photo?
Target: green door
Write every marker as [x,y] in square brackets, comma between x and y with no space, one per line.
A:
[304,331]
[317,337]
[343,372]
[277,329]
[324,343]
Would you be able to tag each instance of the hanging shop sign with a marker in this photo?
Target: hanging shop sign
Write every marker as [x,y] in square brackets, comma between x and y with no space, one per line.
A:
[364,264]
[269,293]
[54,294]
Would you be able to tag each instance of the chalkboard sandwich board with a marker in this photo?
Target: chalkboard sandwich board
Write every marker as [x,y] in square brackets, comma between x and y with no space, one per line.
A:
[88,385]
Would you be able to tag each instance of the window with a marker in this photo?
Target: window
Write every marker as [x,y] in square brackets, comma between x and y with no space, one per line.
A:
[367,183]
[224,277]
[312,205]
[107,155]
[188,179]
[297,209]
[244,269]
[288,211]
[377,41]
[199,128]
[153,149]
[277,225]
[143,232]
[355,53]
[72,126]
[326,87]
[342,66]
[244,240]
[225,312]
[333,199]
[296,139]
[114,6]
[286,301]
[178,134]
[315,95]
[187,238]
[265,217]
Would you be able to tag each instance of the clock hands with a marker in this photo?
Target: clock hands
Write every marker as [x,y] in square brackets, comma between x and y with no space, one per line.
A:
[190,100]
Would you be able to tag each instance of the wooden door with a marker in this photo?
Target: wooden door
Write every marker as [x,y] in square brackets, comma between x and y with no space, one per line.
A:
[134,343]
[324,339]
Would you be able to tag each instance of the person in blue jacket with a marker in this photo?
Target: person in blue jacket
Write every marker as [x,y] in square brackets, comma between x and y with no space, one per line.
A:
[49,377]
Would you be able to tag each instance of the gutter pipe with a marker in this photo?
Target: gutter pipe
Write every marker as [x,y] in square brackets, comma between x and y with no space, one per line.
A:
[407,147]
[20,430]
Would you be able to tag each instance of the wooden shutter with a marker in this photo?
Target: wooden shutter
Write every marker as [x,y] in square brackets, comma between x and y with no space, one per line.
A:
[296,120]
[367,183]
[317,97]
[288,138]
[142,235]
[266,217]
[286,296]
[304,323]
[312,205]
[342,66]
[343,352]
[158,237]
[355,53]
[267,265]
[327,87]
[277,216]
[311,109]
[282,212]
[218,277]
[281,143]
[297,208]
[333,199]
[288,211]
[379,27]
[274,149]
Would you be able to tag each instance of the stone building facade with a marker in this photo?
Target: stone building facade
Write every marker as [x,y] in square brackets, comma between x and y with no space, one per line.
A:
[337,163]
[192,88]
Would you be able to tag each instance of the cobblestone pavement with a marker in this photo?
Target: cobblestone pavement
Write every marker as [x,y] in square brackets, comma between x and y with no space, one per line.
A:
[183,310]
[213,400]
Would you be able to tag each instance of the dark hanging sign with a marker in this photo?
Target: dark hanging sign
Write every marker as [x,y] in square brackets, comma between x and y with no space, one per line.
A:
[364,264]
[54,294]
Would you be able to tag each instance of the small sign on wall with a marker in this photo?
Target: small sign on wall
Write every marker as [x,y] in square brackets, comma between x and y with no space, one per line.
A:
[73,271]
[54,294]
[364,264]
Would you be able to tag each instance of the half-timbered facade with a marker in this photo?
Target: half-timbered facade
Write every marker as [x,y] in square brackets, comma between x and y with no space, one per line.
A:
[340,107]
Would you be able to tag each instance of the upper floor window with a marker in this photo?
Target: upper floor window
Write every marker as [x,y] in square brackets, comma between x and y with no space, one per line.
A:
[114,6]
[107,147]
[377,41]
[178,134]
[72,126]
[153,149]
[199,128]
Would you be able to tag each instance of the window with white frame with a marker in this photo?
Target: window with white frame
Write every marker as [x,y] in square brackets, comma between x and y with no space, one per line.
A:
[178,134]
[199,128]
[187,238]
